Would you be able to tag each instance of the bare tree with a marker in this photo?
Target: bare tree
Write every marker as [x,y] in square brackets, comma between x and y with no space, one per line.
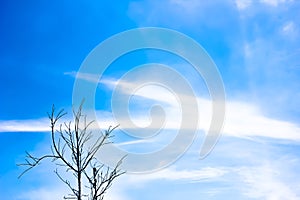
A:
[72,149]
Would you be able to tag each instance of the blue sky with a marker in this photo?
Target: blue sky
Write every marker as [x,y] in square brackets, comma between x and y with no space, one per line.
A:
[253,43]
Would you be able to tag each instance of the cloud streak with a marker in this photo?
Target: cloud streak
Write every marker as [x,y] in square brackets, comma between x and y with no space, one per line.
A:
[172,174]
[30,125]
[242,119]
[264,182]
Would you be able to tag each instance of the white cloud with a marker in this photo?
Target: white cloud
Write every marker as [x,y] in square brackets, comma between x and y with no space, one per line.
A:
[59,193]
[191,6]
[133,142]
[246,120]
[274,2]
[290,30]
[125,183]
[31,125]
[243,4]
[271,72]
[187,12]
[288,27]
[44,193]
[89,77]
[172,174]
[264,182]
[84,76]
[242,119]
[115,195]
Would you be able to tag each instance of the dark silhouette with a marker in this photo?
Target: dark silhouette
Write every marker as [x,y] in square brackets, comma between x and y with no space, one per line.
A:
[70,150]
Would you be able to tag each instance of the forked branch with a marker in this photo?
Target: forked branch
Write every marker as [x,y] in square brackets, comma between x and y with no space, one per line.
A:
[72,148]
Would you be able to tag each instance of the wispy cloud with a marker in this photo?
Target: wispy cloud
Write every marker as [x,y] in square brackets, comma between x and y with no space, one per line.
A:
[191,6]
[187,12]
[274,2]
[264,182]
[242,119]
[133,142]
[88,77]
[273,82]
[44,193]
[290,30]
[243,4]
[30,125]
[172,174]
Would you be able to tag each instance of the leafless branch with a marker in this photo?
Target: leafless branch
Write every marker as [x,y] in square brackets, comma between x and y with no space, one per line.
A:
[69,149]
